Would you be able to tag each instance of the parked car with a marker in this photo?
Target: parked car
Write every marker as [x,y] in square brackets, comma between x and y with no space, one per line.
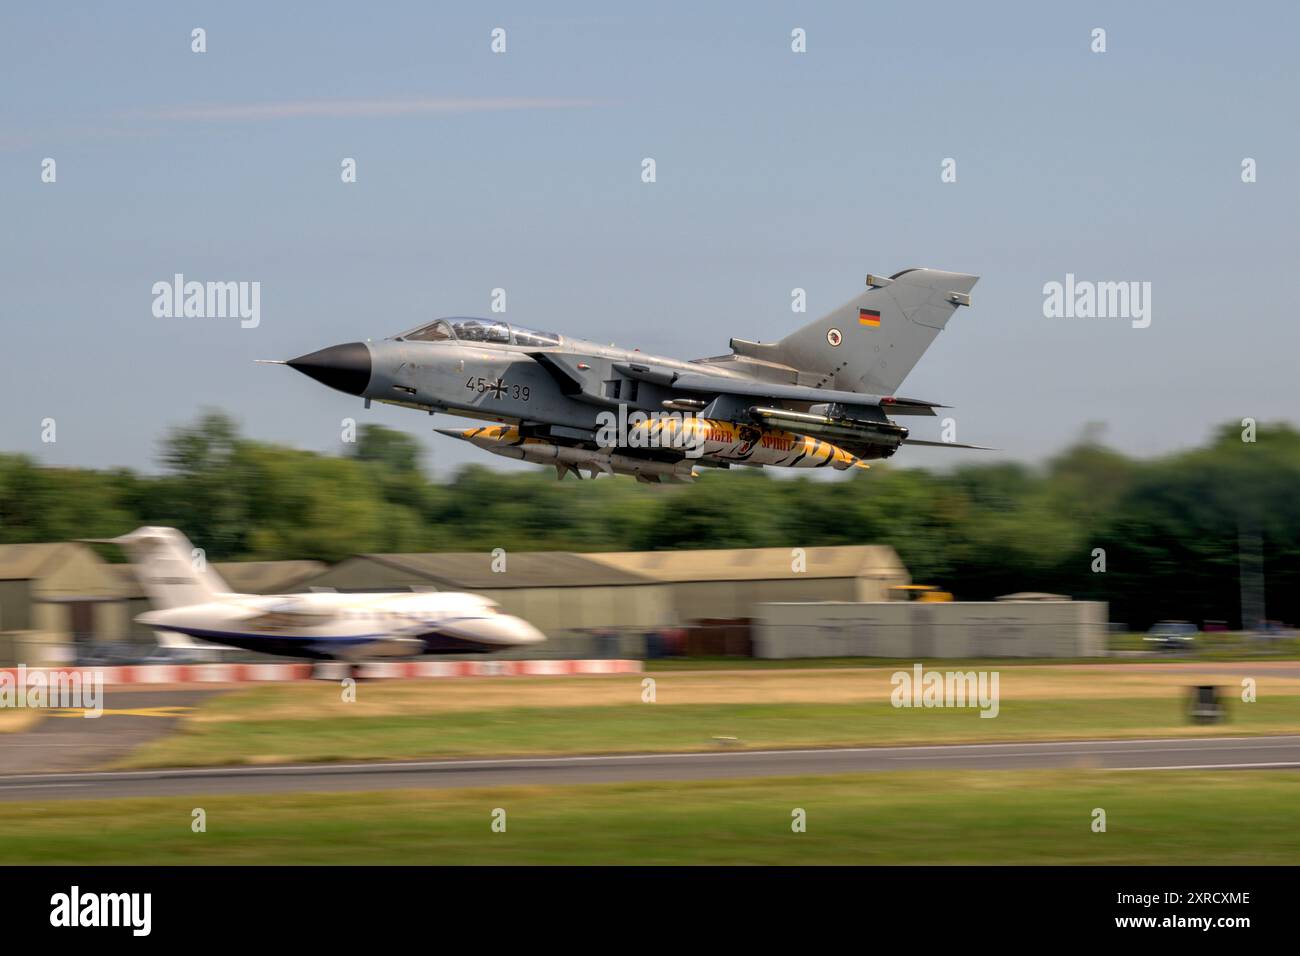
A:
[1172,635]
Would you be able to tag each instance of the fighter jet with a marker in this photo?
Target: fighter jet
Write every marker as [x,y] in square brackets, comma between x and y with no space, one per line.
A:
[822,397]
[192,600]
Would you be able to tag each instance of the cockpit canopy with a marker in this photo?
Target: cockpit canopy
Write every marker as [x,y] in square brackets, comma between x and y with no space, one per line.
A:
[469,329]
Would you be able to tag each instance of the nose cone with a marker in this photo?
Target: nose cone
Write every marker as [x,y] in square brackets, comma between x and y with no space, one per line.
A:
[345,367]
[501,630]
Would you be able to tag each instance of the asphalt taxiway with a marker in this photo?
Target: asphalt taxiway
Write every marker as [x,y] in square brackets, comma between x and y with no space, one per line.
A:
[67,740]
[1179,753]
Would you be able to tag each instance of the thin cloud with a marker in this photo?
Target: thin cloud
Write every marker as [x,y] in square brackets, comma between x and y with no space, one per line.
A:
[14,141]
[349,109]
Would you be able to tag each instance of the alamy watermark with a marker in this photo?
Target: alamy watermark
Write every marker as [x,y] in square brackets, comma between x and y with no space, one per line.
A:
[208,300]
[1085,299]
[133,911]
[52,689]
[680,431]
[922,688]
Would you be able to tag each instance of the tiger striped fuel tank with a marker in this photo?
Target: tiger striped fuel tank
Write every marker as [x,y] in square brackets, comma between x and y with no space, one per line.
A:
[734,442]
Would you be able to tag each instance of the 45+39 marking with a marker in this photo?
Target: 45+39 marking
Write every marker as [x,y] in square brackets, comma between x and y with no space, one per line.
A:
[498,388]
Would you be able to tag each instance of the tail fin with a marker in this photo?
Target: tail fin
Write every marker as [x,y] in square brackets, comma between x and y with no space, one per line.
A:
[171,571]
[872,342]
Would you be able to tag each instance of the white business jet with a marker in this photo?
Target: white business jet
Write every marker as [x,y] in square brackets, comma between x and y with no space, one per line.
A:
[190,598]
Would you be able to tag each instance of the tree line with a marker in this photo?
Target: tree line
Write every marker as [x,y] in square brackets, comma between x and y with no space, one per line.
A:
[1157,538]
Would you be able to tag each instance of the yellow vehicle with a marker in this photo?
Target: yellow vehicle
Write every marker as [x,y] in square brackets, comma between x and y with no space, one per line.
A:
[925,593]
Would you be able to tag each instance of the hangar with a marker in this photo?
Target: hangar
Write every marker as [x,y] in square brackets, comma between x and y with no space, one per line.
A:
[569,597]
[731,583]
[53,597]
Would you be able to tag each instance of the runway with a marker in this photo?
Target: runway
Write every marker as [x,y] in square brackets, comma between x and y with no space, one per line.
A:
[1218,753]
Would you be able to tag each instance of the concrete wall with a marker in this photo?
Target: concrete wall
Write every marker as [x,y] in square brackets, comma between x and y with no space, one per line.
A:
[914,629]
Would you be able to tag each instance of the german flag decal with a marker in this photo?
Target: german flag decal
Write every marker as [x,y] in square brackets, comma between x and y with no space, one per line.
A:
[869,318]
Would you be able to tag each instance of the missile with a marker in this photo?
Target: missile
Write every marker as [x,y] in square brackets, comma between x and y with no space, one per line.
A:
[884,433]
[505,440]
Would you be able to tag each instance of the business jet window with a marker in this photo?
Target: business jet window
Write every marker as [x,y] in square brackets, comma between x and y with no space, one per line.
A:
[535,339]
[438,331]
[482,330]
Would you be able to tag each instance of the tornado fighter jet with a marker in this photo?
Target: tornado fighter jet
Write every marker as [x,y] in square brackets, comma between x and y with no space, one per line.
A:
[822,397]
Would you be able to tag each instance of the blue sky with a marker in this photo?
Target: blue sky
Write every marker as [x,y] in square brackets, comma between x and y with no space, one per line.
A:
[775,170]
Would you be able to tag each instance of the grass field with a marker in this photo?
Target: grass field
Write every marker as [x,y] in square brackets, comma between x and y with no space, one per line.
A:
[393,720]
[1032,817]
